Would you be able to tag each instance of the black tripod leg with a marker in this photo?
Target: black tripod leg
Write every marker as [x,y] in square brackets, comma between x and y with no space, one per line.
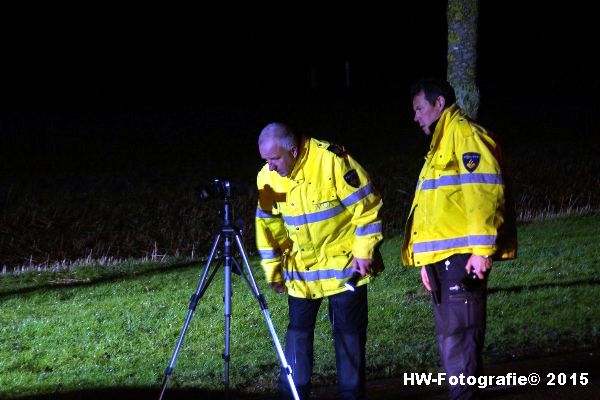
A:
[202,285]
[227,309]
[263,305]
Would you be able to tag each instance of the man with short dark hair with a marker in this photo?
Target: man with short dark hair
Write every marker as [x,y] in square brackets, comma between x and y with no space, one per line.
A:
[317,223]
[461,219]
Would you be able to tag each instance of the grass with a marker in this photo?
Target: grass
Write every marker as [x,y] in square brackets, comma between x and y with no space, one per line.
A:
[101,232]
[97,327]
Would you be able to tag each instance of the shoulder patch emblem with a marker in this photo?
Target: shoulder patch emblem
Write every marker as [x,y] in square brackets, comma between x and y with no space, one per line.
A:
[337,149]
[351,177]
[471,161]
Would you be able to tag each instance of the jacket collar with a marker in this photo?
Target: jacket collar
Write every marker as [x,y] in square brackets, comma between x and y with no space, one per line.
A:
[448,115]
[297,173]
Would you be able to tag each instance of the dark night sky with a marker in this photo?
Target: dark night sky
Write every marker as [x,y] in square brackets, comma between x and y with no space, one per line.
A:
[534,62]
[233,55]
[227,54]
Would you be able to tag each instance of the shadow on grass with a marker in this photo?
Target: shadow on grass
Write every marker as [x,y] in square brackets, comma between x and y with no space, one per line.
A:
[103,278]
[517,289]
[113,277]
[139,394]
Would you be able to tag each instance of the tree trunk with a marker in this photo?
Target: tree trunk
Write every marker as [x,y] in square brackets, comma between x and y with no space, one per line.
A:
[462,16]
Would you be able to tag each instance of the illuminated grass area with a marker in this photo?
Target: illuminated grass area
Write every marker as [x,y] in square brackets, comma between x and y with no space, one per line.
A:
[116,326]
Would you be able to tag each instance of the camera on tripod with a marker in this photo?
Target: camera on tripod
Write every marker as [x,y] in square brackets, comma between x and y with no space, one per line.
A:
[220,188]
[215,188]
[230,237]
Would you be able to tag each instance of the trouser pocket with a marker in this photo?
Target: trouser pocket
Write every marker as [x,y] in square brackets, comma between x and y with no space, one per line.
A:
[463,299]
[464,310]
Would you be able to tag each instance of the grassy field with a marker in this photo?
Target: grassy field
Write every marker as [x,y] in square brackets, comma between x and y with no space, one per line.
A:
[92,327]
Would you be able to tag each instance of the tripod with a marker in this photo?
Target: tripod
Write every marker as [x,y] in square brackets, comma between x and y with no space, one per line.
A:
[229,234]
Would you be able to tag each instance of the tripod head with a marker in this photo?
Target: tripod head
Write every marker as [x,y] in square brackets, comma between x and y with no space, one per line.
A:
[213,188]
[224,189]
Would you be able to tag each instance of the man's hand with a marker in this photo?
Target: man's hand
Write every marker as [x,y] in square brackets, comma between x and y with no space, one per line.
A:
[479,264]
[279,287]
[362,265]
[425,279]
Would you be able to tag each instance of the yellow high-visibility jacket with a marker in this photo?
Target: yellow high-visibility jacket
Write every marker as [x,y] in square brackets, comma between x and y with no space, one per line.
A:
[460,204]
[311,224]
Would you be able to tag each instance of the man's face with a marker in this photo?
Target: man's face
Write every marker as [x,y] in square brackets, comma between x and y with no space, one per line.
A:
[425,112]
[279,159]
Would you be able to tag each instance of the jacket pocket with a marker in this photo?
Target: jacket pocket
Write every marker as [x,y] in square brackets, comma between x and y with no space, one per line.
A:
[321,200]
[444,162]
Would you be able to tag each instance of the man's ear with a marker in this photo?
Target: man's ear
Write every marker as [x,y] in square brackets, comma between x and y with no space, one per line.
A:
[294,151]
[440,102]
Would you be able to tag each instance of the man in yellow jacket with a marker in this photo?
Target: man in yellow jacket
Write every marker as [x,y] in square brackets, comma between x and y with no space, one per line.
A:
[317,224]
[461,219]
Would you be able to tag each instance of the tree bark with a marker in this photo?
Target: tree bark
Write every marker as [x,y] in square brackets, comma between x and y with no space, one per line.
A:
[462,16]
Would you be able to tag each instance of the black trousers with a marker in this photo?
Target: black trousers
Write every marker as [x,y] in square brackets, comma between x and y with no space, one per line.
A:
[348,314]
[459,309]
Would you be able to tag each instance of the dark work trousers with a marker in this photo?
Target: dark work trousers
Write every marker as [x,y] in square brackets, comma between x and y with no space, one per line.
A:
[348,316]
[460,319]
